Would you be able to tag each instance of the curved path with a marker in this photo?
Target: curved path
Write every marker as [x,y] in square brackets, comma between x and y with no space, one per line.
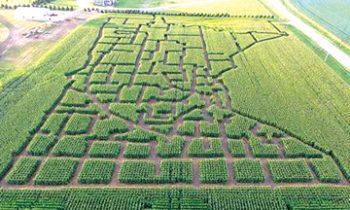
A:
[313,34]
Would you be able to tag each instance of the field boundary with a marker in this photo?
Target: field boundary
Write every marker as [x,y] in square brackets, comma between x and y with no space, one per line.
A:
[321,29]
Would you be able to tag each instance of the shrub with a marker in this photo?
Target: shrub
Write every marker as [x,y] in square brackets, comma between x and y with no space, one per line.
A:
[96,172]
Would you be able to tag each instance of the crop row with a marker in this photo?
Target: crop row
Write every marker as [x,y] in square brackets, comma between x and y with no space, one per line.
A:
[96,172]
[289,171]
[206,148]
[137,150]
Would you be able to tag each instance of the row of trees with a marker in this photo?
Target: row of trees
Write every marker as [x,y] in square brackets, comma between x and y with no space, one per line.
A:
[51,7]
[176,13]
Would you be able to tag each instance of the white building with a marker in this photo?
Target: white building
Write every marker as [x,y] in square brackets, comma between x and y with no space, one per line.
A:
[33,13]
[105,3]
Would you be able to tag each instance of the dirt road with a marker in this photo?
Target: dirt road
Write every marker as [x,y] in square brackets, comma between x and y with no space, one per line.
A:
[313,34]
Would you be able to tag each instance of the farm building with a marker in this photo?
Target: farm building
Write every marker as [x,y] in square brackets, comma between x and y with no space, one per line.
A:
[33,13]
[105,3]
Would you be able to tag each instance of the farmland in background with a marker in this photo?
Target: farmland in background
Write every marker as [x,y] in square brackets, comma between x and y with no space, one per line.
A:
[136,111]
[235,7]
[333,15]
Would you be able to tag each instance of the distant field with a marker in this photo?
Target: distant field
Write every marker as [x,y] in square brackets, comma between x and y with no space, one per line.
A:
[63,3]
[4,32]
[235,7]
[15,2]
[130,4]
[333,15]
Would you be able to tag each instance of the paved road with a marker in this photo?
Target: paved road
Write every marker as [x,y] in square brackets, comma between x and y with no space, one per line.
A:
[322,41]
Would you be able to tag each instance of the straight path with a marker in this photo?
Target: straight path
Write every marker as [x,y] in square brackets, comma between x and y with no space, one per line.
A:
[313,34]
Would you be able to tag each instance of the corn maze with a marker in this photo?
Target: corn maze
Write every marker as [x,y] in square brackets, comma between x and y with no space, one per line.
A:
[150,107]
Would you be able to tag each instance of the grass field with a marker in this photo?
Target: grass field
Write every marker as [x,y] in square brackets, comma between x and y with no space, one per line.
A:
[64,3]
[332,15]
[130,4]
[181,104]
[235,7]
